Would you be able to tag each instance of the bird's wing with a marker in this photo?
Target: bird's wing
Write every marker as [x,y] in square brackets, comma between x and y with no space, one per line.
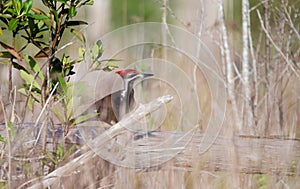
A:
[93,87]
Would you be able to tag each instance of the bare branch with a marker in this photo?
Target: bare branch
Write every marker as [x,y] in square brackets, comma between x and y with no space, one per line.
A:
[229,65]
[291,23]
[8,140]
[42,111]
[246,67]
[276,47]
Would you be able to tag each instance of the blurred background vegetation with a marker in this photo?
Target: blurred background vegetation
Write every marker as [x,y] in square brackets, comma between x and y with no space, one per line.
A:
[275,88]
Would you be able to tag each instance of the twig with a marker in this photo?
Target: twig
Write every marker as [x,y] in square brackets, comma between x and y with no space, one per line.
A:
[166,27]
[246,67]
[42,111]
[172,13]
[257,5]
[8,140]
[291,23]
[255,77]
[229,63]
[275,46]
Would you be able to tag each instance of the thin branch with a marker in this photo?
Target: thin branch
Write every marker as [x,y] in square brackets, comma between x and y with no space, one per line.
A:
[8,140]
[229,63]
[246,67]
[254,68]
[164,22]
[172,13]
[276,47]
[291,23]
[42,111]
[256,6]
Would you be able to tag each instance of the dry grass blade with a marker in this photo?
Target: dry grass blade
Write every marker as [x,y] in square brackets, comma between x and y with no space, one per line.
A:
[139,113]
[8,142]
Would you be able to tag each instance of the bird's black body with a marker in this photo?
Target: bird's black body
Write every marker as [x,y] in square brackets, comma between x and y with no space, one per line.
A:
[113,107]
[109,108]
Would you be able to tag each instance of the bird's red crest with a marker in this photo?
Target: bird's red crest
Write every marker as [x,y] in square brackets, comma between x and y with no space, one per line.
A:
[124,72]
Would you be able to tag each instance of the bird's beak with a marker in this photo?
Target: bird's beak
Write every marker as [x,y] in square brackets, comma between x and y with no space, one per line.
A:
[147,75]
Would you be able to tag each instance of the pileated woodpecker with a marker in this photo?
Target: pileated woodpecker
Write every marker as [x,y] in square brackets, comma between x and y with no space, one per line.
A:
[113,107]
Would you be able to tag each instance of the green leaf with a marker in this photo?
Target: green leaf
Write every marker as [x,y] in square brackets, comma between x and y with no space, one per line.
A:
[12,24]
[110,66]
[5,54]
[83,118]
[69,151]
[62,83]
[81,52]
[2,139]
[42,53]
[55,14]
[34,66]
[32,27]
[99,43]
[23,91]
[30,103]
[56,65]
[38,16]
[27,6]
[28,78]
[34,90]
[68,71]
[18,66]
[5,15]
[51,157]
[70,109]
[65,60]
[40,24]
[72,11]
[76,23]
[76,61]
[11,130]
[62,1]
[97,50]
[38,11]
[60,151]
[78,34]
[11,50]
[88,2]
[17,6]
[70,87]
